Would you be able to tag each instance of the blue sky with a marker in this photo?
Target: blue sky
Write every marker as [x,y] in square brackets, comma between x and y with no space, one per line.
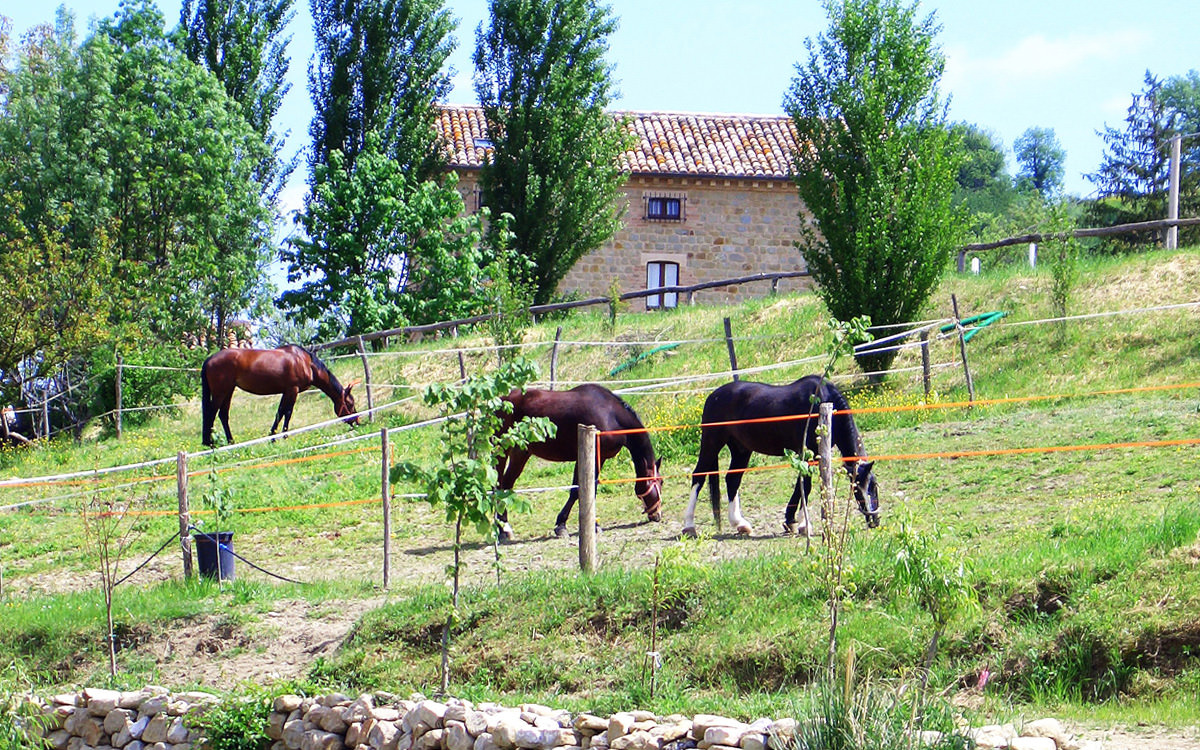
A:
[1069,65]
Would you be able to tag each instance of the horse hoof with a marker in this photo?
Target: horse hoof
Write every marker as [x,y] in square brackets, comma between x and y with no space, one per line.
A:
[505,536]
[689,532]
[745,530]
[561,532]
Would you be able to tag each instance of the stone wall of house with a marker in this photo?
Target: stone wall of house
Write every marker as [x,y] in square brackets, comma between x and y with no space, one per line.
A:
[730,228]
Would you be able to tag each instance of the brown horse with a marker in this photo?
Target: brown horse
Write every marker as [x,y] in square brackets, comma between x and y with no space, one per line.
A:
[287,370]
[585,404]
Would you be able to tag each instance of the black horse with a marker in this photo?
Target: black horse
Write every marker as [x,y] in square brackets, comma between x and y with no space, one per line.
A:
[741,400]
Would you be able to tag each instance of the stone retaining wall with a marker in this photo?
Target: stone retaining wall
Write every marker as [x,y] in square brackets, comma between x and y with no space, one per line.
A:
[154,719]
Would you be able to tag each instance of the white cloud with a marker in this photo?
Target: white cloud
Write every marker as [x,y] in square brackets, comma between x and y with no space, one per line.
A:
[1036,58]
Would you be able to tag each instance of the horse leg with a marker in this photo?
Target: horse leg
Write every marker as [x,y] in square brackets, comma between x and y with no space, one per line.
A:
[290,398]
[739,459]
[208,410]
[560,523]
[799,496]
[223,413]
[287,402]
[516,461]
[707,468]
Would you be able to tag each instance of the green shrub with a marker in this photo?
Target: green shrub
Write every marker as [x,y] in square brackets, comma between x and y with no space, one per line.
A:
[239,722]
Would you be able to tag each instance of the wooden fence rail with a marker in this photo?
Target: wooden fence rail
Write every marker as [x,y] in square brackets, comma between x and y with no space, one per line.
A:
[774,278]
[1141,226]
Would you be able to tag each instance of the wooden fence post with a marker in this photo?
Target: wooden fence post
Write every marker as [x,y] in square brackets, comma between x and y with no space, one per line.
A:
[962,345]
[185,517]
[362,353]
[729,345]
[1173,191]
[925,373]
[120,372]
[585,472]
[825,467]
[46,411]
[554,357]
[386,483]
[462,368]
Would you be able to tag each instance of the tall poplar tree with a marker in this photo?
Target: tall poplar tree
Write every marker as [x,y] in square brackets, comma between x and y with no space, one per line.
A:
[378,214]
[241,42]
[879,165]
[380,68]
[544,84]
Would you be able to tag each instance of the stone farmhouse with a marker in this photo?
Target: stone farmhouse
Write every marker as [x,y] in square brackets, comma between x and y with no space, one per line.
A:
[708,198]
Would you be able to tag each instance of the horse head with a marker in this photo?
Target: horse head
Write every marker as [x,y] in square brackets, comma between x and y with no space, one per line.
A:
[347,408]
[866,492]
[649,489]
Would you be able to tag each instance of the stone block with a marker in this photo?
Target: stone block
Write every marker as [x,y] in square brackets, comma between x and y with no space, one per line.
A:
[1032,743]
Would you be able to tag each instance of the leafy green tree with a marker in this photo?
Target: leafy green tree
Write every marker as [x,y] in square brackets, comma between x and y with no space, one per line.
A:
[1041,161]
[190,216]
[132,157]
[985,189]
[982,166]
[53,303]
[379,68]
[413,257]
[465,481]
[1062,257]
[880,173]
[543,83]
[938,579]
[1181,95]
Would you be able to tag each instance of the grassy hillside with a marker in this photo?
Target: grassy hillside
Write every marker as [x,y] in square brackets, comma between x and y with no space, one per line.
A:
[1086,562]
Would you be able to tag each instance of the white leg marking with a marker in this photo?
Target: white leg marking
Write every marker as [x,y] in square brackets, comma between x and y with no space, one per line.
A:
[736,520]
[689,515]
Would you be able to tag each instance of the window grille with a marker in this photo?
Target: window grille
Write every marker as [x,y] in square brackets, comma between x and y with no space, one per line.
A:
[664,206]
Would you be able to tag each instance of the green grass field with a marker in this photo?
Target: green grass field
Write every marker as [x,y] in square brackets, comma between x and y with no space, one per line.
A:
[1086,562]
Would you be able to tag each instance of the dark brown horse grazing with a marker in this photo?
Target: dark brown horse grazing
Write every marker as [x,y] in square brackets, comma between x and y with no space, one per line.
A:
[585,404]
[743,400]
[287,370]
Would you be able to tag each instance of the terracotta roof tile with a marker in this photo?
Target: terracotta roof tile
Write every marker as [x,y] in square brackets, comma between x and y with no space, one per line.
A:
[675,144]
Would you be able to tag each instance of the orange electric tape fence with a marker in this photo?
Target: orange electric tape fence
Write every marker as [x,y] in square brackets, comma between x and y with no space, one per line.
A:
[310,506]
[936,454]
[912,407]
[946,454]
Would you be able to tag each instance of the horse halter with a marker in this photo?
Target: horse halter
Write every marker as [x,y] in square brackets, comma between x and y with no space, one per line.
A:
[653,482]
[865,492]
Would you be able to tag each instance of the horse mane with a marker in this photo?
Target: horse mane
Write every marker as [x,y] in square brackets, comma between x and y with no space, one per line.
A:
[641,438]
[831,393]
[320,367]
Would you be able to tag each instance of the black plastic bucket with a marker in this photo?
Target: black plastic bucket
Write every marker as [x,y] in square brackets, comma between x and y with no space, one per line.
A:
[214,553]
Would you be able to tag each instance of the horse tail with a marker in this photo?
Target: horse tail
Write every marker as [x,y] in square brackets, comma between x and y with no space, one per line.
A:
[208,408]
[714,498]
